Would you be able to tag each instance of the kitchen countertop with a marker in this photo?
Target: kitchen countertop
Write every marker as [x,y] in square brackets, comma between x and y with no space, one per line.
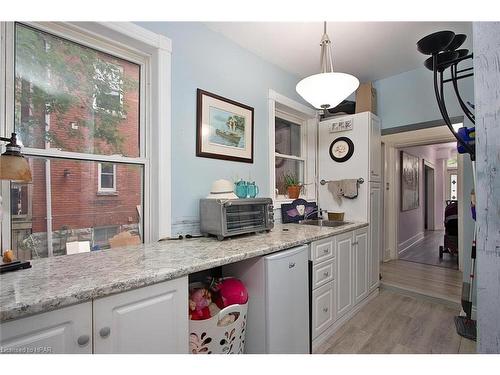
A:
[61,281]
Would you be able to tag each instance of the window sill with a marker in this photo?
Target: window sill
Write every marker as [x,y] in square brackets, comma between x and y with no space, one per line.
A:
[107,193]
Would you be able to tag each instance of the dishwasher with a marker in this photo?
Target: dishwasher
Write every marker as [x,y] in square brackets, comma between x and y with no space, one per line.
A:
[278,305]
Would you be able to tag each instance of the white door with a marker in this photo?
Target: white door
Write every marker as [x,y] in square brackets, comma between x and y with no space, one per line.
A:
[64,331]
[375,237]
[344,273]
[360,248]
[153,319]
[375,150]
[287,293]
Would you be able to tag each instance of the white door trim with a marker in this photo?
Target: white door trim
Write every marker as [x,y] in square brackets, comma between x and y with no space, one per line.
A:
[391,178]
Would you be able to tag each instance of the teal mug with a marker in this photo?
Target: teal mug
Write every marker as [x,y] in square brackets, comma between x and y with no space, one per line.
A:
[241,189]
[253,190]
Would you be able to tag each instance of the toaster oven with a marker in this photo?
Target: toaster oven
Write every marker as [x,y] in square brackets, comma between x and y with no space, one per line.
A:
[231,217]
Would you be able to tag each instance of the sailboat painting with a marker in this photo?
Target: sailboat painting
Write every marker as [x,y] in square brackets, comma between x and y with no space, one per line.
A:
[226,128]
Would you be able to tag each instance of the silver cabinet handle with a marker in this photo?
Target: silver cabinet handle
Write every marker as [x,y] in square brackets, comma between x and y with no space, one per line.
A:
[355,242]
[325,309]
[83,340]
[326,274]
[325,251]
[291,265]
[104,332]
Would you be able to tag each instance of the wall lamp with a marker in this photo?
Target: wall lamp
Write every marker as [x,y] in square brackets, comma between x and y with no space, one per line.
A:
[13,165]
[443,46]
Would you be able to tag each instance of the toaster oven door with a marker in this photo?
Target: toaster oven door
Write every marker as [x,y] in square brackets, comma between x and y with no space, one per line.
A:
[246,217]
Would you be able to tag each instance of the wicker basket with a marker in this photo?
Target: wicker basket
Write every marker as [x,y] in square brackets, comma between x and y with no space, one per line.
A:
[206,337]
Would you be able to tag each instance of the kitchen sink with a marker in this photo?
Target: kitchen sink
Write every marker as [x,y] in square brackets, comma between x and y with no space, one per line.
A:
[324,223]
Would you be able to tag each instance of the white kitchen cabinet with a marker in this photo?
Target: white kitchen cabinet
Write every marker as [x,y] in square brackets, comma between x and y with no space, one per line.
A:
[361,254]
[323,308]
[375,150]
[344,256]
[375,237]
[152,319]
[64,331]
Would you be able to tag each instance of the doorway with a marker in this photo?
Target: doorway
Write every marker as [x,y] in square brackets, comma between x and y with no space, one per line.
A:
[429,207]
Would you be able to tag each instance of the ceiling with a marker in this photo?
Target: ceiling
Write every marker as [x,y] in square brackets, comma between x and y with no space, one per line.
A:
[368,50]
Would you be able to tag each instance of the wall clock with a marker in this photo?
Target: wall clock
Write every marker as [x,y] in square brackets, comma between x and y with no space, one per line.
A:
[341,149]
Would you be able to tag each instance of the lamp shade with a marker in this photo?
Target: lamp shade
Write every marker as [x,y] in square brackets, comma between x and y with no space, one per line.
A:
[327,90]
[15,168]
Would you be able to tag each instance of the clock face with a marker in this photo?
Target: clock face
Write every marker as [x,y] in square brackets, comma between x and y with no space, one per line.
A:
[341,149]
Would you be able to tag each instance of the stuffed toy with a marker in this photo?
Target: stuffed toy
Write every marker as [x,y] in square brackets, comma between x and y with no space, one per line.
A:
[199,302]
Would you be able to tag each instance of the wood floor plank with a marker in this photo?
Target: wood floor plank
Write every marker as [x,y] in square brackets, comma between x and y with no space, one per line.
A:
[397,323]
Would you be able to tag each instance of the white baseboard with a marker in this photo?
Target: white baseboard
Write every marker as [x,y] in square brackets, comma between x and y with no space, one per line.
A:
[340,322]
[405,245]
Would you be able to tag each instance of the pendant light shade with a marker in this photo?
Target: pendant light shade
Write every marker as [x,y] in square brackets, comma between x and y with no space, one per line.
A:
[13,165]
[328,88]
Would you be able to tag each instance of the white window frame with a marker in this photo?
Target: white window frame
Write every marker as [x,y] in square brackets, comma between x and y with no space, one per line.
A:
[100,189]
[307,118]
[133,43]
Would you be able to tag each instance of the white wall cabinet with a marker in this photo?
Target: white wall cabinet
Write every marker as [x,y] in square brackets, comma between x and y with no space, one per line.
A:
[67,330]
[145,320]
[375,150]
[152,319]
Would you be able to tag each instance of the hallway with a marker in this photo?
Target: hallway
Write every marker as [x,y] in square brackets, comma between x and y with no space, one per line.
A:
[427,251]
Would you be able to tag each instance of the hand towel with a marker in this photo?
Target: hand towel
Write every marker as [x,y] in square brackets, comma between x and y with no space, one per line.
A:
[336,188]
[350,188]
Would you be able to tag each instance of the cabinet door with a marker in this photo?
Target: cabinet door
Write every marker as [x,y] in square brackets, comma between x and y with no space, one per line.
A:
[153,319]
[344,273]
[360,248]
[375,238]
[323,308]
[64,331]
[375,150]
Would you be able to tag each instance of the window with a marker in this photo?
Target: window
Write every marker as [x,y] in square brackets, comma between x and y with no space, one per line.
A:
[106,177]
[77,111]
[293,128]
[289,151]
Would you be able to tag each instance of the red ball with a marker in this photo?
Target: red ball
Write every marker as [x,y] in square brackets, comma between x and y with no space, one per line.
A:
[232,291]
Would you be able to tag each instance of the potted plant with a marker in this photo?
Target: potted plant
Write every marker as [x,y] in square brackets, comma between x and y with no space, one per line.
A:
[292,185]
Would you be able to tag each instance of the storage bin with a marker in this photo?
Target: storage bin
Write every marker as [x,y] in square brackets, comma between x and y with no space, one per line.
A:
[206,337]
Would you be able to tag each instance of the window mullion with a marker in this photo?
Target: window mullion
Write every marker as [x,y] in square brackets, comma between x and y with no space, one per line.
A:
[58,154]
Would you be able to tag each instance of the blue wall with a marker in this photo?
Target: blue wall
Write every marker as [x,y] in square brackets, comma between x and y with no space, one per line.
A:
[408,98]
[202,58]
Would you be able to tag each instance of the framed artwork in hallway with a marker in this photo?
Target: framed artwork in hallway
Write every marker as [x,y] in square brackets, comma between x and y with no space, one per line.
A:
[409,181]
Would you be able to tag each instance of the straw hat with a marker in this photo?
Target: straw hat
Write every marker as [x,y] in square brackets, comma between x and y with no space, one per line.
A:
[222,189]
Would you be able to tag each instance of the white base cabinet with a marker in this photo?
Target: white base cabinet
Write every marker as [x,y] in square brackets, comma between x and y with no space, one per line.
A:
[146,320]
[67,330]
[152,319]
[343,262]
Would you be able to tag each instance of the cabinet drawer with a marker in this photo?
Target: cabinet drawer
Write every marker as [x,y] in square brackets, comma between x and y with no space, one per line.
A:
[323,273]
[323,308]
[322,250]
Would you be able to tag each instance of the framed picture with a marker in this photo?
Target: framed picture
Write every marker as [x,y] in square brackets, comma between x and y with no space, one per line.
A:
[409,182]
[341,149]
[224,128]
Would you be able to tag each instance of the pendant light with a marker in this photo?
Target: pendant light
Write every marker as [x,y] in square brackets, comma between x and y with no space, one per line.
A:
[13,165]
[328,88]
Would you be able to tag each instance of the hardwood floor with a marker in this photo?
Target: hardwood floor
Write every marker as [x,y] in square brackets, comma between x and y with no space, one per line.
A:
[427,251]
[397,323]
[435,282]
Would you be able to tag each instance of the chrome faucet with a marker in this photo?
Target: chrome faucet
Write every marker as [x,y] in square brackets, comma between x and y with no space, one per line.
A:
[317,211]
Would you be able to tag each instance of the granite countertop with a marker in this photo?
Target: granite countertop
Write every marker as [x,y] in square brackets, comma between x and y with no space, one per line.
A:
[57,282]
